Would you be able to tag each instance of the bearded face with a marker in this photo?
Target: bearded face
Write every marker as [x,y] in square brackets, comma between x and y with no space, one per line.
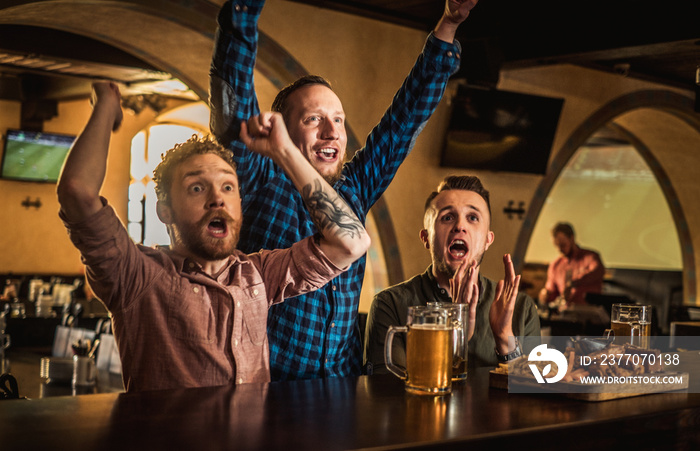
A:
[316,124]
[204,213]
[214,237]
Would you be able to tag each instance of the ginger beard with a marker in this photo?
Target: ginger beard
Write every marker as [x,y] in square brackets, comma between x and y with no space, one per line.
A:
[327,161]
[316,123]
[214,237]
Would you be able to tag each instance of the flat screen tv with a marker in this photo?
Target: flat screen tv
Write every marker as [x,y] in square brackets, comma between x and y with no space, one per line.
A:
[34,156]
[499,130]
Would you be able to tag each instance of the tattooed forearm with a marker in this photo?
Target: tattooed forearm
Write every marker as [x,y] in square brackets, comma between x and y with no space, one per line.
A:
[329,212]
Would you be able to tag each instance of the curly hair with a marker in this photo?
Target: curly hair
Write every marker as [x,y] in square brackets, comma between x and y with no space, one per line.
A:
[196,145]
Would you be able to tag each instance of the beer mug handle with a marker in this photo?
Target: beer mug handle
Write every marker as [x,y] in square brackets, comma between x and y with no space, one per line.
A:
[4,341]
[401,373]
[636,327]
[608,334]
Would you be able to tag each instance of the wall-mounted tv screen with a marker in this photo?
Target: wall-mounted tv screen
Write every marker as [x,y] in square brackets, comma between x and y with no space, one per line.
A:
[34,156]
[498,130]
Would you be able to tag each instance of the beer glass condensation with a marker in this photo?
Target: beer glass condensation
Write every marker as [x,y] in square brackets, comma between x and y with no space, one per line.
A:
[628,321]
[428,351]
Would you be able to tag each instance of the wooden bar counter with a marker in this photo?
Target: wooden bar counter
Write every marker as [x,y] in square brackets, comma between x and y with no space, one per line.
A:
[368,412]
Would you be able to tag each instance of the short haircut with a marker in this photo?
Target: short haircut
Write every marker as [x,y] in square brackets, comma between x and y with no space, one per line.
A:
[196,145]
[280,103]
[563,227]
[461,182]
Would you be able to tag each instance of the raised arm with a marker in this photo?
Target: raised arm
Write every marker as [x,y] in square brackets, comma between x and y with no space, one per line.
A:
[390,141]
[232,97]
[84,169]
[343,238]
[456,11]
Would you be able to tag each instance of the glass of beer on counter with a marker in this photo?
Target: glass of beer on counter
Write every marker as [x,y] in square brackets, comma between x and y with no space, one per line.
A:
[460,341]
[631,323]
[428,351]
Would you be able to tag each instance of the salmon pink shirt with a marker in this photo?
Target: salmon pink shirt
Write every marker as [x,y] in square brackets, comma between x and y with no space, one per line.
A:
[176,326]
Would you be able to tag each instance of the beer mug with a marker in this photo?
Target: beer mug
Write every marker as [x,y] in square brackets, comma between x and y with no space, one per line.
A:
[630,322]
[460,342]
[428,351]
[84,371]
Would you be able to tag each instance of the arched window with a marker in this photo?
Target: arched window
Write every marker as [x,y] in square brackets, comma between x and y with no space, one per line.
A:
[173,127]
[613,200]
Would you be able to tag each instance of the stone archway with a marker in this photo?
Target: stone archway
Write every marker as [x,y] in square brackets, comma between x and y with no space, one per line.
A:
[672,103]
[180,43]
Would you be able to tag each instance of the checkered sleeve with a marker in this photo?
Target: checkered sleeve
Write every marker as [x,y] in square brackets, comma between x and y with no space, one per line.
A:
[232,96]
[389,143]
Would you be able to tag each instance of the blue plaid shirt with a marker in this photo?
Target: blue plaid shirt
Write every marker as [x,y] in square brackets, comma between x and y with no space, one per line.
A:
[317,334]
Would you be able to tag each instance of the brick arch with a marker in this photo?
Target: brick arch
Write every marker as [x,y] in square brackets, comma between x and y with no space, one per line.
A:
[672,103]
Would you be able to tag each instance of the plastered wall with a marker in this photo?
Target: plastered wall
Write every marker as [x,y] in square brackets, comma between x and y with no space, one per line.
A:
[34,241]
[366,61]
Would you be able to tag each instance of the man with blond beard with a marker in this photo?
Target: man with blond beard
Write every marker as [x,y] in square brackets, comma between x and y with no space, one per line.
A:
[317,334]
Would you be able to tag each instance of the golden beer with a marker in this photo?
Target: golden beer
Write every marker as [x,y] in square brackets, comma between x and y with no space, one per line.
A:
[460,320]
[637,333]
[459,368]
[429,358]
[631,323]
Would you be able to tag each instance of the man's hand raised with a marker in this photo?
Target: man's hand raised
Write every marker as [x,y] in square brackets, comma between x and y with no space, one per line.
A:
[501,313]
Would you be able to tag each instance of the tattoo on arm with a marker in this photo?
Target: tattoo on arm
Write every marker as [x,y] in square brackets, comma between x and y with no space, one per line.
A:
[330,212]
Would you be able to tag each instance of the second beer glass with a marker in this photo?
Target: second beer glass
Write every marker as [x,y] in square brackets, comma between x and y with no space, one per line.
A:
[631,323]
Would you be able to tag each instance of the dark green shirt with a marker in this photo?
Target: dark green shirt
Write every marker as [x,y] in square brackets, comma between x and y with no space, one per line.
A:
[390,308]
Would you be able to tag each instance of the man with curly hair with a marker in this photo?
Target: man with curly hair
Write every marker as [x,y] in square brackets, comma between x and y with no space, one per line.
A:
[196,314]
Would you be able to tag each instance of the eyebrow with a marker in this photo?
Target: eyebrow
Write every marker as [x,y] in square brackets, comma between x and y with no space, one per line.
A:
[306,114]
[320,109]
[197,172]
[452,207]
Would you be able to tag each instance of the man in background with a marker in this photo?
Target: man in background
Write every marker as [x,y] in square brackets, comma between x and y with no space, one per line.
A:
[574,273]
[317,335]
[457,233]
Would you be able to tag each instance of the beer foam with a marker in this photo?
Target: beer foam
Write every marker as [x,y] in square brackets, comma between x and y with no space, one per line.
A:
[430,326]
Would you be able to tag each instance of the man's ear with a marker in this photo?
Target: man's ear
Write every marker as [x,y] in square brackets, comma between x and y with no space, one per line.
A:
[165,213]
[424,238]
[489,239]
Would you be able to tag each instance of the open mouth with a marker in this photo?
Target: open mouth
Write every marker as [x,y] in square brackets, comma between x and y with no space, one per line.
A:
[327,154]
[217,227]
[458,249]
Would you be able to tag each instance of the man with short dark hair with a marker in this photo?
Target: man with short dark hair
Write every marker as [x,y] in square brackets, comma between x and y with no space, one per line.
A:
[574,273]
[196,314]
[457,233]
[317,335]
